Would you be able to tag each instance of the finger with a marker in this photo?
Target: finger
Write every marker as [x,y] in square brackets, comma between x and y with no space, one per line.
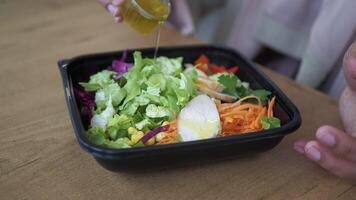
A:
[326,159]
[347,107]
[112,7]
[113,10]
[347,101]
[299,146]
[350,66]
[341,143]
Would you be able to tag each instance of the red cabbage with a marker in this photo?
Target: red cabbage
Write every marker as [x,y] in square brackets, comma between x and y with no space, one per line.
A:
[87,102]
[120,66]
[154,132]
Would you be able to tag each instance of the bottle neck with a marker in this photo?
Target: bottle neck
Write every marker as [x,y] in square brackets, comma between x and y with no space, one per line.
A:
[142,11]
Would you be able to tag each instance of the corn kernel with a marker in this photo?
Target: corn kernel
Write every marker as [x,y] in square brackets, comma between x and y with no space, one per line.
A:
[136,137]
[151,141]
[132,130]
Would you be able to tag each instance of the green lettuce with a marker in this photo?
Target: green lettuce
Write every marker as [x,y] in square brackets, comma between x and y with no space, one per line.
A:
[96,135]
[170,66]
[98,80]
[117,94]
[271,122]
[118,144]
[154,111]
[150,92]
[118,125]
[101,120]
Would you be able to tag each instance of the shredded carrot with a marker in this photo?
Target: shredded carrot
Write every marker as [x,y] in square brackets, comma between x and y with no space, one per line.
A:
[170,136]
[238,103]
[236,118]
[239,117]
[270,107]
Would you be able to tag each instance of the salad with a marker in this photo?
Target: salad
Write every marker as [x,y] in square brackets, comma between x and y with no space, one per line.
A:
[160,101]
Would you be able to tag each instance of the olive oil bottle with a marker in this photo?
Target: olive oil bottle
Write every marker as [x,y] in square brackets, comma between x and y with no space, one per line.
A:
[145,15]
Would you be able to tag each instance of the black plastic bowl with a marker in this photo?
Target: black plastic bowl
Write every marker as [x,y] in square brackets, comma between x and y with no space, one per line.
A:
[79,69]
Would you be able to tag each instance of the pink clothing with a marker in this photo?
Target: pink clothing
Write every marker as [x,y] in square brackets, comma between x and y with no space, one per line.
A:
[317,32]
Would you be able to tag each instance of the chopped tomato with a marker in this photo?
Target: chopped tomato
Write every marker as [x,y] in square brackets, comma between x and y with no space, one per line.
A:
[203,59]
[204,65]
[233,69]
[216,69]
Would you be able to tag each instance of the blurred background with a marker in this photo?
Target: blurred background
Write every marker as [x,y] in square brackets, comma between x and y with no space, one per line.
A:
[304,40]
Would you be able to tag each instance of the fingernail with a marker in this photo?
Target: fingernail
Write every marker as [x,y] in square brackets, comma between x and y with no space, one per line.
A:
[112,9]
[313,153]
[299,149]
[327,139]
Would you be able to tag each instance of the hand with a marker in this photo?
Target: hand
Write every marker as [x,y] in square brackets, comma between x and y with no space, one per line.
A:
[113,6]
[180,18]
[334,149]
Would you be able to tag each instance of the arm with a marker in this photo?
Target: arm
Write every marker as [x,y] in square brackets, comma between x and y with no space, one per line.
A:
[334,149]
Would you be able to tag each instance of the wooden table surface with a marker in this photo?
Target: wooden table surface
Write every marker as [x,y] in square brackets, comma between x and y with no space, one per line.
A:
[40,158]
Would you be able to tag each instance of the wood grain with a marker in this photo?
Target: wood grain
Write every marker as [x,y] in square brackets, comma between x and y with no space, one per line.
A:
[40,158]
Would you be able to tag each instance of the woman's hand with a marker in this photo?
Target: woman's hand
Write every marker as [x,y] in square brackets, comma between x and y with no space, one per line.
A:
[334,149]
[180,17]
[113,6]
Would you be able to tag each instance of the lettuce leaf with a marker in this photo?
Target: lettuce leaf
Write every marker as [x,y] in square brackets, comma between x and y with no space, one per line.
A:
[101,120]
[130,108]
[98,80]
[142,124]
[154,111]
[118,144]
[269,123]
[170,66]
[148,93]
[191,73]
[157,80]
[96,135]
[117,94]
[155,91]
[100,100]
[118,125]
[133,89]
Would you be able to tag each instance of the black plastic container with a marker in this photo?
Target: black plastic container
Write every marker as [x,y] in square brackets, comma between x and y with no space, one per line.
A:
[80,68]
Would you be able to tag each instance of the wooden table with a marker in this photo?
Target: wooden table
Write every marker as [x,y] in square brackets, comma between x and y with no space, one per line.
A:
[40,158]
